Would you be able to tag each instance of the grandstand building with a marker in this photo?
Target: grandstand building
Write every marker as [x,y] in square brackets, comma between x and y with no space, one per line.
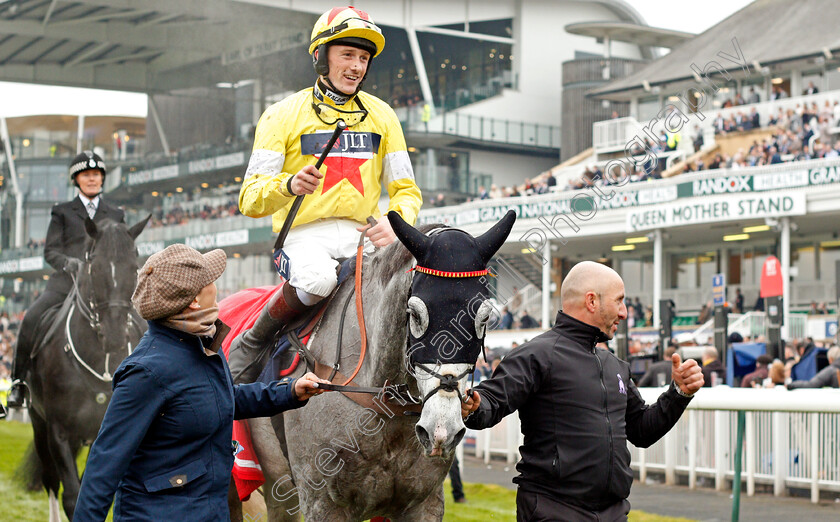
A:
[513,88]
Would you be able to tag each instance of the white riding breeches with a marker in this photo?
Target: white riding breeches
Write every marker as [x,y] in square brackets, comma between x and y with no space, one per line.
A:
[313,249]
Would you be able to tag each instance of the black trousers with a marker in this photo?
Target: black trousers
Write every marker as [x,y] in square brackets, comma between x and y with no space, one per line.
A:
[26,331]
[455,478]
[533,507]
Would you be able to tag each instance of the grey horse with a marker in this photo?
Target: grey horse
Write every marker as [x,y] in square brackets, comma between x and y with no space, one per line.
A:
[335,460]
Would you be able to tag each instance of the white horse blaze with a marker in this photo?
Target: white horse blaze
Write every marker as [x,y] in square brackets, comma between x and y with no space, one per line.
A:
[441,415]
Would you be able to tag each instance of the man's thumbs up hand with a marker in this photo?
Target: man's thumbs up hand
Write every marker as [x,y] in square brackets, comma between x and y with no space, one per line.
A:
[687,375]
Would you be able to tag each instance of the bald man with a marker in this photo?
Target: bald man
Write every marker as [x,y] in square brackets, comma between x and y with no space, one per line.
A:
[578,406]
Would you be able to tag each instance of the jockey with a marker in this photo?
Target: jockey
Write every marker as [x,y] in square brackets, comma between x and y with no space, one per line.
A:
[64,249]
[369,156]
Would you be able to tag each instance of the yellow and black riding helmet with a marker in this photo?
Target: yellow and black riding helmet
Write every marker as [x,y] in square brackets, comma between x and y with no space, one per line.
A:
[347,26]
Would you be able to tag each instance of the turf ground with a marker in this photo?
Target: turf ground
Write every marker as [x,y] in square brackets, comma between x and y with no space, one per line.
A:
[485,502]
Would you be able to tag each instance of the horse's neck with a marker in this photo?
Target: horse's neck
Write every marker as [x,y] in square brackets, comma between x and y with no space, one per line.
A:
[386,320]
[84,338]
[384,311]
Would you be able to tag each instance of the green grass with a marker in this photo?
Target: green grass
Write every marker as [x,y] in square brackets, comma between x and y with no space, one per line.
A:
[485,502]
[19,504]
[491,502]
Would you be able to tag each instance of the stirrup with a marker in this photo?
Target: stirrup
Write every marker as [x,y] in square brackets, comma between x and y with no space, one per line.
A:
[18,392]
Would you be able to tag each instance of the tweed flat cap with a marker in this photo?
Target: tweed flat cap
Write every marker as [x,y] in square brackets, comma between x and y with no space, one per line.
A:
[173,277]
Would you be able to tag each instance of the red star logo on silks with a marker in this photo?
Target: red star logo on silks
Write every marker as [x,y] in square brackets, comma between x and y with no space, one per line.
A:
[339,168]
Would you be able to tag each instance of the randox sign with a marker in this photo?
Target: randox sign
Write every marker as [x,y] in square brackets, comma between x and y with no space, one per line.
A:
[716,208]
[771,278]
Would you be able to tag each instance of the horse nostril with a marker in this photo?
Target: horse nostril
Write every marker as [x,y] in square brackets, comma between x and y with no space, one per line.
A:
[423,436]
[458,437]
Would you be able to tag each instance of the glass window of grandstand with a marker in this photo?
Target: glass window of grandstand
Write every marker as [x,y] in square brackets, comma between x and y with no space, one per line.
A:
[812,79]
[648,108]
[780,87]
[753,85]
[803,262]
[460,70]
[37,221]
[693,270]
[829,256]
[444,170]
[463,71]
[727,94]
[45,182]
[751,260]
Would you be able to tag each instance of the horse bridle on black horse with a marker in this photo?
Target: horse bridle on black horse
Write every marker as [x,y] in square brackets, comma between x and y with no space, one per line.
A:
[90,312]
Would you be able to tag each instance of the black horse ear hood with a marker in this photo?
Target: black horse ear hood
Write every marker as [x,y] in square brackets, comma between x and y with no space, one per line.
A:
[449,289]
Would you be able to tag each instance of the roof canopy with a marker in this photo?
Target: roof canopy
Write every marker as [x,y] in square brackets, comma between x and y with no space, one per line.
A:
[630,33]
[767,33]
[139,46]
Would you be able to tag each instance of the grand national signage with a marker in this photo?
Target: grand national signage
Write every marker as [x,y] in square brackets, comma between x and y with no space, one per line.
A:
[210,241]
[715,209]
[732,183]
[216,163]
[24,264]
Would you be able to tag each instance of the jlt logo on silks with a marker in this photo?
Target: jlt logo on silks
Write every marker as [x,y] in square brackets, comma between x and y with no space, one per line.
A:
[621,388]
[350,152]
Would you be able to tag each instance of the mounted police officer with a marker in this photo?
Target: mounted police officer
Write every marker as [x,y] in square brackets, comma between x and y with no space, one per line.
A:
[369,156]
[64,250]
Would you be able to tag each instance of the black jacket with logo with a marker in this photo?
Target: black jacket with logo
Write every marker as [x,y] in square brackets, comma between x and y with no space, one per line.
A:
[578,408]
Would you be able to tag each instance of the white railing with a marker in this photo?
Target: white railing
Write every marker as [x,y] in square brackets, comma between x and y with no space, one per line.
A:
[613,135]
[792,440]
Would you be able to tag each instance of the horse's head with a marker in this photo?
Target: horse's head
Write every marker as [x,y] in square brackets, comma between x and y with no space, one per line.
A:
[448,311]
[107,280]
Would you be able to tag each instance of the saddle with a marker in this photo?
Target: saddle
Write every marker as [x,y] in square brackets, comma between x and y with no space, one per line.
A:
[283,360]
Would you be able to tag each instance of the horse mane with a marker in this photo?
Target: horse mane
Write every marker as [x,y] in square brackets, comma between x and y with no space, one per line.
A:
[396,256]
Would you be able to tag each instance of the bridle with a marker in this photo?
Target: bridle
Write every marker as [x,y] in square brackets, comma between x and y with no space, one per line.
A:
[448,382]
[89,310]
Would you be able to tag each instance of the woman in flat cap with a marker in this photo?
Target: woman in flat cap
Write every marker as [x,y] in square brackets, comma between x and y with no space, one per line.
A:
[165,443]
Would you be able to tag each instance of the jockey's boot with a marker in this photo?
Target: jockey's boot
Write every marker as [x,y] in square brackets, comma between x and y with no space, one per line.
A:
[245,358]
[20,365]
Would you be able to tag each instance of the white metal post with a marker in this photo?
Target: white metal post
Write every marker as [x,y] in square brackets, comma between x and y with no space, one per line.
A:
[721,443]
[7,144]
[785,247]
[670,458]
[80,133]
[781,425]
[692,449]
[750,444]
[814,421]
[417,55]
[163,141]
[657,274]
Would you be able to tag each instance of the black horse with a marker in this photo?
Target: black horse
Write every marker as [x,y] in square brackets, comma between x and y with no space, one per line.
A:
[78,348]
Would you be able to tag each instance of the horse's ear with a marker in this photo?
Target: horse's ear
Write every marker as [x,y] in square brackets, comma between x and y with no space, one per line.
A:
[135,230]
[415,241]
[492,240]
[90,228]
